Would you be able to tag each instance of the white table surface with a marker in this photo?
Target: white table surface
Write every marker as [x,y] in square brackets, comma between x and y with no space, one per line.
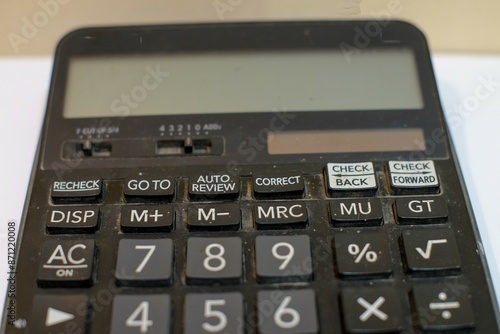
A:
[475,130]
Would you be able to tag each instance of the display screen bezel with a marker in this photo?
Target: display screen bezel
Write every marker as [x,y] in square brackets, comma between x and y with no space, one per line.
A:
[237,128]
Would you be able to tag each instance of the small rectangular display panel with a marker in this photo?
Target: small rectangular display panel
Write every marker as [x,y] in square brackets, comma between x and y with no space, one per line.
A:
[345,141]
[246,81]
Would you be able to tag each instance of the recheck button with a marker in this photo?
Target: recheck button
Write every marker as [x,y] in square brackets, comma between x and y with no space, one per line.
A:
[77,188]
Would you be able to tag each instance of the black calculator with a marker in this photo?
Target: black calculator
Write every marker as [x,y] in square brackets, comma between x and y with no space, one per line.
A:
[270,178]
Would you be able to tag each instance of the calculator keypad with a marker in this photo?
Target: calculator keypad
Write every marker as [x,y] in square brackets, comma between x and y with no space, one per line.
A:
[268,253]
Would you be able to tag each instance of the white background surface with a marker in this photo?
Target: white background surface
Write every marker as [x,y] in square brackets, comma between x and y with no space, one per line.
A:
[475,130]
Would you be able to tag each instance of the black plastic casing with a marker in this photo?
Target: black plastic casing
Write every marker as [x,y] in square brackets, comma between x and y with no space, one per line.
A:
[238,158]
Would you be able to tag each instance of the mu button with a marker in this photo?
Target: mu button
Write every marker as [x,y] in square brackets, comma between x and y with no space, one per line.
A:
[66,262]
[361,211]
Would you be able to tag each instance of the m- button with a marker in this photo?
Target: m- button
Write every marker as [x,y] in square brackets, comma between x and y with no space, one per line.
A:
[351,176]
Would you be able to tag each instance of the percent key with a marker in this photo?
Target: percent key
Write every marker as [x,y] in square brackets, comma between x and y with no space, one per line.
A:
[362,255]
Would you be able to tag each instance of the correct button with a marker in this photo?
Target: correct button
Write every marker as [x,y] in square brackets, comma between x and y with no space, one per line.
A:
[289,185]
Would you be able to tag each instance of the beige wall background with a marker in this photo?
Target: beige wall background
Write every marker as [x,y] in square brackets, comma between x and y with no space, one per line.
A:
[33,27]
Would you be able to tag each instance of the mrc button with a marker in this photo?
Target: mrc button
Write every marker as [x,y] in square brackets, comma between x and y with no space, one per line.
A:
[358,176]
[209,186]
[285,184]
[409,175]
[77,188]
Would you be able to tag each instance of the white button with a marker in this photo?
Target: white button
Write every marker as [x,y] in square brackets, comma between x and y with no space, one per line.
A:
[351,176]
[413,174]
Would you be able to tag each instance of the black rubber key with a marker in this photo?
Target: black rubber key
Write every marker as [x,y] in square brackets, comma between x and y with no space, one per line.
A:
[214,313]
[443,307]
[59,314]
[372,310]
[364,254]
[283,258]
[136,314]
[430,252]
[421,210]
[66,263]
[145,262]
[356,212]
[142,218]
[287,312]
[214,260]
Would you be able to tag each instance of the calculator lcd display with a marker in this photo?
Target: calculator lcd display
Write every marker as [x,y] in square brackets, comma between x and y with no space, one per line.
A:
[235,82]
